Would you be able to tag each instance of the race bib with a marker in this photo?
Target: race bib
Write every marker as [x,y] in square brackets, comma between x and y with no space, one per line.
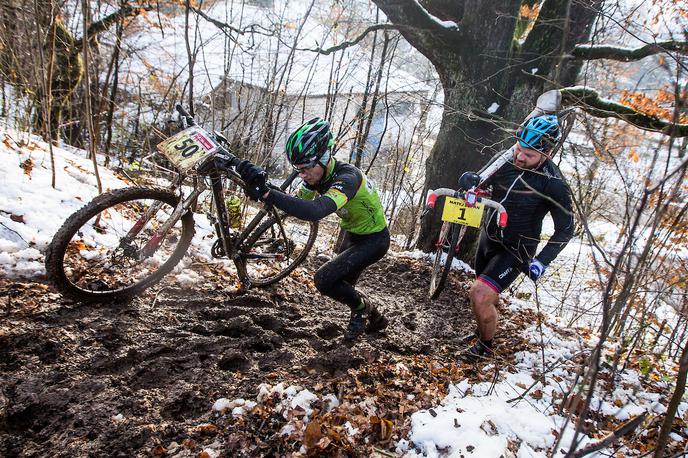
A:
[188,147]
[456,211]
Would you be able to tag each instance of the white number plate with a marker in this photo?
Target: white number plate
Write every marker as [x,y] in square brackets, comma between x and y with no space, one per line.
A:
[188,147]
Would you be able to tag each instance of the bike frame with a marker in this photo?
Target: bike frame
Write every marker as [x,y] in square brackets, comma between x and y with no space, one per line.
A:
[229,243]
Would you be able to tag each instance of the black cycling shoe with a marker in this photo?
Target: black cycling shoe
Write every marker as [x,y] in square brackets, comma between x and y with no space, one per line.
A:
[357,324]
[376,321]
[479,351]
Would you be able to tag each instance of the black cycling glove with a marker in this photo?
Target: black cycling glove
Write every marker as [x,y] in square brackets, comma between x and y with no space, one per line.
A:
[217,162]
[255,178]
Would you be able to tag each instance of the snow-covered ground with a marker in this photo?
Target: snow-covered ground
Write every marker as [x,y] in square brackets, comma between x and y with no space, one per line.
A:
[31,210]
[516,413]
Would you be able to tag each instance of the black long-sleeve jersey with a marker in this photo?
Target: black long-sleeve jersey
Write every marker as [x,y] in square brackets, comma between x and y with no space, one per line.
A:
[527,196]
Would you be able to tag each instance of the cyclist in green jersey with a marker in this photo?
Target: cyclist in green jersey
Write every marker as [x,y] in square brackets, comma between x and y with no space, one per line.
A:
[331,186]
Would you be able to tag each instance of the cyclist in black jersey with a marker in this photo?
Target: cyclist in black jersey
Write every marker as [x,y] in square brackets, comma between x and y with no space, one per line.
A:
[331,186]
[529,186]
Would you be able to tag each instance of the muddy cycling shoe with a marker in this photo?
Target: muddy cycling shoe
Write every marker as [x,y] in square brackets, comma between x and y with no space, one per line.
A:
[376,321]
[479,351]
[357,324]
[367,320]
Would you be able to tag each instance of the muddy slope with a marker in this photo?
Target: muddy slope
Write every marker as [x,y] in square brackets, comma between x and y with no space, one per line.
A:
[120,379]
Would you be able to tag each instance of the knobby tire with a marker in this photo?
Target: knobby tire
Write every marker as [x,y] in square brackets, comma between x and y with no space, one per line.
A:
[104,205]
[440,270]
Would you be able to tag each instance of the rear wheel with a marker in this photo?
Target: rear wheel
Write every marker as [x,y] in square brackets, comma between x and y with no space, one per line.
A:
[96,255]
[445,250]
[276,248]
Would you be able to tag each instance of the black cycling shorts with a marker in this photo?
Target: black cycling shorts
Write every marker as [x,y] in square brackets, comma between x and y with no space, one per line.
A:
[337,278]
[496,265]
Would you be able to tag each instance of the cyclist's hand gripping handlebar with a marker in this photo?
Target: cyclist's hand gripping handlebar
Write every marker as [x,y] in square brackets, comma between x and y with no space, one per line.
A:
[185,119]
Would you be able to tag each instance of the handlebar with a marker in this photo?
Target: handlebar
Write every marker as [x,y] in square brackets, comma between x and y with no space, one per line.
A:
[223,156]
[501,211]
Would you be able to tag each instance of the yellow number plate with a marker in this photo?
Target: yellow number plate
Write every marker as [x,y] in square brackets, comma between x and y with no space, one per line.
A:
[456,211]
[188,147]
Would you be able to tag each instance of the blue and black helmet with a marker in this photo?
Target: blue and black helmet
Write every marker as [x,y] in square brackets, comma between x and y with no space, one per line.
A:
[540,133]
[310,143]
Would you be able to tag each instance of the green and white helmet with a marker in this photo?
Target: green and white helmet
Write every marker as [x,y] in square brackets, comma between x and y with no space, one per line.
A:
[310,144]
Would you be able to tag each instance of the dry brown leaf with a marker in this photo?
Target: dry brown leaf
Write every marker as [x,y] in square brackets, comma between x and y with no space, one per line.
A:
[386,429]
[27,165]
[312,435]
[208,429]
[537,394]
[489,427]
[323,442]
[159,451]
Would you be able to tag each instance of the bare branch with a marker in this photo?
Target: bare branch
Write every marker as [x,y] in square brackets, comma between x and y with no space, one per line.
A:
[591,102]
[411,12]
[615,435]
[427,33]
[103,24]
[348,43]
[588,52]
[226,28]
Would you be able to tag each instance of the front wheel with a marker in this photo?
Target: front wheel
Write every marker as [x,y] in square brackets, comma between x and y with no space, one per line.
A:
[103,251]
[445,250]
[276,248]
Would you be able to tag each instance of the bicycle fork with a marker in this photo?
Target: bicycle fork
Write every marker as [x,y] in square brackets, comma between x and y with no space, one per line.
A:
[154,242]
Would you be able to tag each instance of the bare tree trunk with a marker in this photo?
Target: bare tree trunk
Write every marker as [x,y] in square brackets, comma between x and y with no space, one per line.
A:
[88,116]
[673,404]
[115,83]
[45,78]
[191,56]
[359,144]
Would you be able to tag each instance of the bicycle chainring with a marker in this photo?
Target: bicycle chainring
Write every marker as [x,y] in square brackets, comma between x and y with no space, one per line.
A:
[217,250]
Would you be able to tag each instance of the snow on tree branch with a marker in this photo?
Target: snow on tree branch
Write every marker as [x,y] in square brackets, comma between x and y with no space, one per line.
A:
[589,52]
[412,12]
[591,102]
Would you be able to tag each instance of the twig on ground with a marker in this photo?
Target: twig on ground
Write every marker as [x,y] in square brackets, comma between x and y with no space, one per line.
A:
[18,234]
[155,299]
[383,452]
[614,436]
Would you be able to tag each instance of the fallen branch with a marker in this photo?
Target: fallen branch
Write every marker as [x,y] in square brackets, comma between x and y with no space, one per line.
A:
[614,436]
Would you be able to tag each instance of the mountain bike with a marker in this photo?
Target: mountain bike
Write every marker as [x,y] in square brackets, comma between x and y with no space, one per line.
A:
[126,240]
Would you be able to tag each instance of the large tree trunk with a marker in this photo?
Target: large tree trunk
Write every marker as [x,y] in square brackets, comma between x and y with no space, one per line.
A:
[480,62]
[460,147]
